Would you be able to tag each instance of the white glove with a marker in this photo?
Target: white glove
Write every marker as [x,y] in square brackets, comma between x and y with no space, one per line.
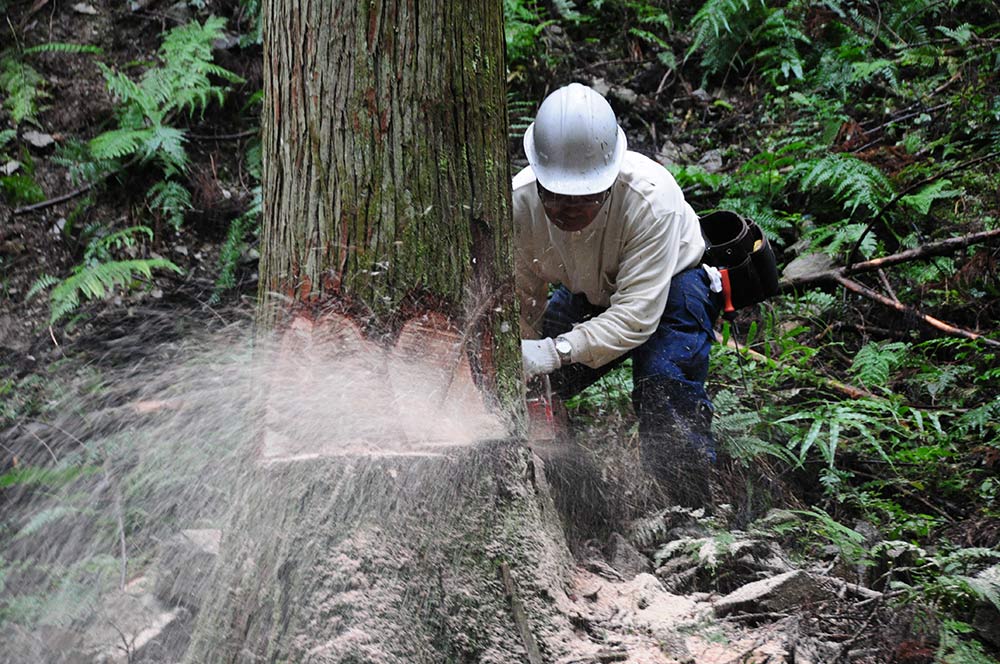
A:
[539,356]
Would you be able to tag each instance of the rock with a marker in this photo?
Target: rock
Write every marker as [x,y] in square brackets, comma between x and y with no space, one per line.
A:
[807,265]
[38,139]
[671,153]
[987,617]
[10,167]
[779,593]
[711,161]
[185,567]
[625,558]
[84,8]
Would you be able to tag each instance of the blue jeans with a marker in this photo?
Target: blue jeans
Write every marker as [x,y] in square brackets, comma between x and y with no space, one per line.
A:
[668,372]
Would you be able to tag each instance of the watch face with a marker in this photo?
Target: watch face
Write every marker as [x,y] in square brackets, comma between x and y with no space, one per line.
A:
[563,347]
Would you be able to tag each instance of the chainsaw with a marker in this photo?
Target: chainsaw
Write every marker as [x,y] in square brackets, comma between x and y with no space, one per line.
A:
[546,417]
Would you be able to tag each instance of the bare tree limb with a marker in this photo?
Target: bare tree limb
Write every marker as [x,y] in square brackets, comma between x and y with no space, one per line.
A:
[855,287]
[930,249]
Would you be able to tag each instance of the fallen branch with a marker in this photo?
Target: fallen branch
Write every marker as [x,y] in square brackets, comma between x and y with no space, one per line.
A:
[855,287]
[54,201]
[916,185]
[930,249]
[850,391]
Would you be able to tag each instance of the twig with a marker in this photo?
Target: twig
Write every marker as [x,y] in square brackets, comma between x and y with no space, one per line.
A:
[54,201]
[76,192]
[947,328]
[45,445]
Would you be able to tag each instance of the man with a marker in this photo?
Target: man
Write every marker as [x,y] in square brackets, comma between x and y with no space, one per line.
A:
[612,229]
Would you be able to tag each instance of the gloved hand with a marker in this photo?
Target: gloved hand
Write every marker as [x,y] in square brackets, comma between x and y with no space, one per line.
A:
[539,356]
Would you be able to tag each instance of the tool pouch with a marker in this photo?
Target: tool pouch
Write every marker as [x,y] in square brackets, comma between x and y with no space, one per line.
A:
[743,256]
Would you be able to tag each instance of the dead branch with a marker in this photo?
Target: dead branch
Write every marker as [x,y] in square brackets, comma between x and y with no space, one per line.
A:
[849,391]
[916,185]
[947,328]
[931,249]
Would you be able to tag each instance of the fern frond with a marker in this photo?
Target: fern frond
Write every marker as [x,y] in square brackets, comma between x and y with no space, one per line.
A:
[874,361]
[22,88]
[118,143]
[172,199]
[853,182]
[63,47]
[97,281]
[6,136]
[232,249]
[100,249]
[41,283]
[923,199]
[167,145]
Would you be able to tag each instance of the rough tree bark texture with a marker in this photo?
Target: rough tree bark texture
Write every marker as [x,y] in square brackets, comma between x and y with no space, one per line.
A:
[387,182]
[361,532]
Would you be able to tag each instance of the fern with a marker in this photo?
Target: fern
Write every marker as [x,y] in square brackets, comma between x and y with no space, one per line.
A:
[22,88]
[172,200]
[874,362]
[852,182]
[734,427]
[99,273]
[923,199]
[181,84]
[715,20]
[100,249]
[97,281]
[63,47]
[232,249]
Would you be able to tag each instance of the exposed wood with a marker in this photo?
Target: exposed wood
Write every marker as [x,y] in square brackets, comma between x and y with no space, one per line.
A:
[936,323]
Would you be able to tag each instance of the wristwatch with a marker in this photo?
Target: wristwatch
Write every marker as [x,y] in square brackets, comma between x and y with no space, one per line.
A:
[565,350]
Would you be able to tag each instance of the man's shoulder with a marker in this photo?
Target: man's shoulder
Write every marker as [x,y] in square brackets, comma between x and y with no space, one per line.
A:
[524,179]
[650,184]
[640,170]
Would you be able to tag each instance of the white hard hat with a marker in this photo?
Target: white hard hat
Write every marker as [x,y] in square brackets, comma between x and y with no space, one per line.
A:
[575,146]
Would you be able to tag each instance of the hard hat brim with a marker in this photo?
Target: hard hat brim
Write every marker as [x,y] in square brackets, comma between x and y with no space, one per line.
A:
[575,182]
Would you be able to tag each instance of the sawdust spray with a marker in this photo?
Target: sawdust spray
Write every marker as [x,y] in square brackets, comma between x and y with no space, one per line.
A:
[129,460]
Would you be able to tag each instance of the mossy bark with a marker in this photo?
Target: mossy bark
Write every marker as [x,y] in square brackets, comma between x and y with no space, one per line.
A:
[386,179]
[390,559]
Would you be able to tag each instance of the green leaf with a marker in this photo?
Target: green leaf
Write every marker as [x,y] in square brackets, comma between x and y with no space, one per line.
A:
[923,199]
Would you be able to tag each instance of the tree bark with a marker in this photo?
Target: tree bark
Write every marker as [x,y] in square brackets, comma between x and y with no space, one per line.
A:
[383,516]
[386,182]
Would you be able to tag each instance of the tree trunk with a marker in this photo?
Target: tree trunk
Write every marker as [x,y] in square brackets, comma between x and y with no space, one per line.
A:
[386,514]
[386,182]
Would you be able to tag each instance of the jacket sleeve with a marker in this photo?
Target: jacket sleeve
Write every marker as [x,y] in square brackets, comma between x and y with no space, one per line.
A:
[648,260]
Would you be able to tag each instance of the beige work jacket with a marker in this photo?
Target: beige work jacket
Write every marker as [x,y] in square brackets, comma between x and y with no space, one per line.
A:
[644,235]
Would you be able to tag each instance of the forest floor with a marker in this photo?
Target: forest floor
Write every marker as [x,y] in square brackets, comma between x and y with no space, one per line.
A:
[652,585]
